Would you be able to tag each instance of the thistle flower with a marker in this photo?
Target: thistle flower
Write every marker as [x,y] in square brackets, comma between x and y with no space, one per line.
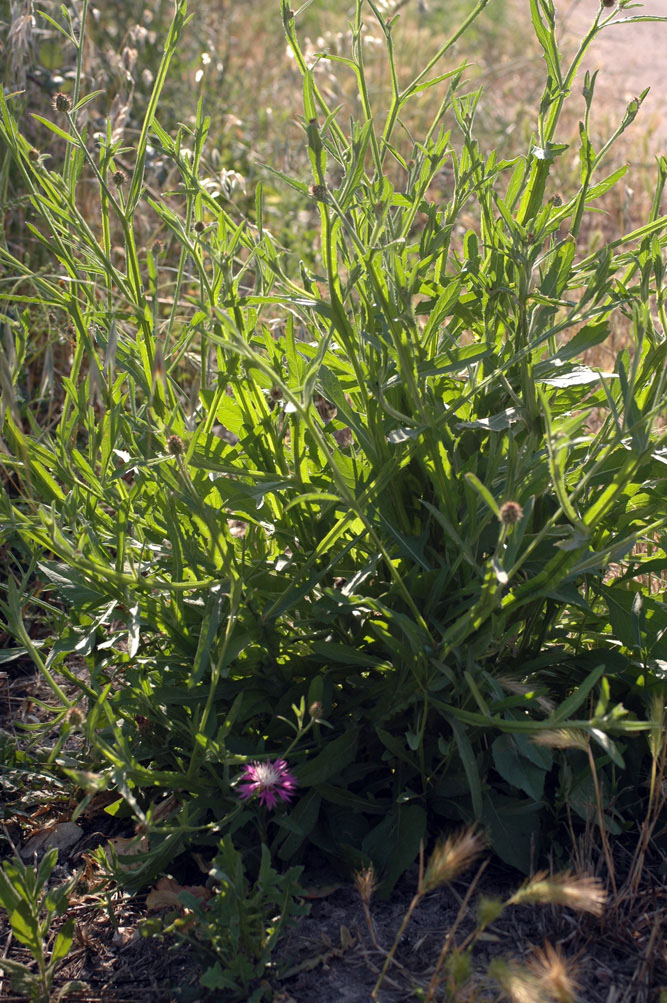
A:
[269,780]
[575,891]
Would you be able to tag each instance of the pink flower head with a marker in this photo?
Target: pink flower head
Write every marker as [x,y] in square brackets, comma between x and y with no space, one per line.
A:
[269,780]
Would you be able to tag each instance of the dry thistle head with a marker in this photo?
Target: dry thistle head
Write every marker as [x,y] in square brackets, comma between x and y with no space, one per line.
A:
[579,891]
[450,858]
[562,738]
[61,102]
[319,192]
[556,973]
[510,513]
[365,882]
[175,445]
[75,717]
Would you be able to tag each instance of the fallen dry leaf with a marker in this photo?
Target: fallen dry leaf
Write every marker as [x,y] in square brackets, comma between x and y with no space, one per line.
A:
[62,837]
[166,892]
[128,846]
[320,891]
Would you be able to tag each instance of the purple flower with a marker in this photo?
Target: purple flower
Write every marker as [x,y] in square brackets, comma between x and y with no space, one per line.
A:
[269,780]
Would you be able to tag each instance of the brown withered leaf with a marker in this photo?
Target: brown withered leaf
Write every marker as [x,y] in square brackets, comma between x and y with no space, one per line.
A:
[166,892]
[128,846]
[62,836]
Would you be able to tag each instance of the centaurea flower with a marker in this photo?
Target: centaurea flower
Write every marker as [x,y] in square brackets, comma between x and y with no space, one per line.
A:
[269,780]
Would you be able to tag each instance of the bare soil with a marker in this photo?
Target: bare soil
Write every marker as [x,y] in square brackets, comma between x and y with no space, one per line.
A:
[630,57]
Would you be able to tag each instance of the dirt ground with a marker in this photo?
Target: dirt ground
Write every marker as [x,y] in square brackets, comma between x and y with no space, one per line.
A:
[333,957]
[630,58]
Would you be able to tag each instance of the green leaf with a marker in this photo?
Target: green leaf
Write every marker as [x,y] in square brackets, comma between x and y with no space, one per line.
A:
[56,129]
[394,844]
[469,764]
[334,757]
[575,700]
[514,825]
[303,815]
[516,769]
[483,492]
[25,927]
[63,941]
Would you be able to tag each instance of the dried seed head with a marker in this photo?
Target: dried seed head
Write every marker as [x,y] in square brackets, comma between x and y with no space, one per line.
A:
[488,911]
[556,973]
[520,689]
[365,882]
[518,984]
[562,738]
[459,970]
[557,199]
[581,892]
[61,102]
[450,858]
[75,717]
[199,226]
[510,513]
[156,247]
[344,437]
[319,192]
[175,445]
[118,178]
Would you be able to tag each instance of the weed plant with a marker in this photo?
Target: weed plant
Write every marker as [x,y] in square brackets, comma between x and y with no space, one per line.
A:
[32,904]
[367,511]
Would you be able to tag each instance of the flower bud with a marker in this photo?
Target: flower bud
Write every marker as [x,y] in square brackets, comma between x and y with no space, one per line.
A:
[61,102]
[510,513]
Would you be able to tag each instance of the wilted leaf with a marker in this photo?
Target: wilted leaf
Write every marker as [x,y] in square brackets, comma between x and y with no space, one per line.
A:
[61,836]
[166,893]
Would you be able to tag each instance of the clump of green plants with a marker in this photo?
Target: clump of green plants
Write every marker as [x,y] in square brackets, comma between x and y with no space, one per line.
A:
[235,932]
[367,511]
[32,904]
